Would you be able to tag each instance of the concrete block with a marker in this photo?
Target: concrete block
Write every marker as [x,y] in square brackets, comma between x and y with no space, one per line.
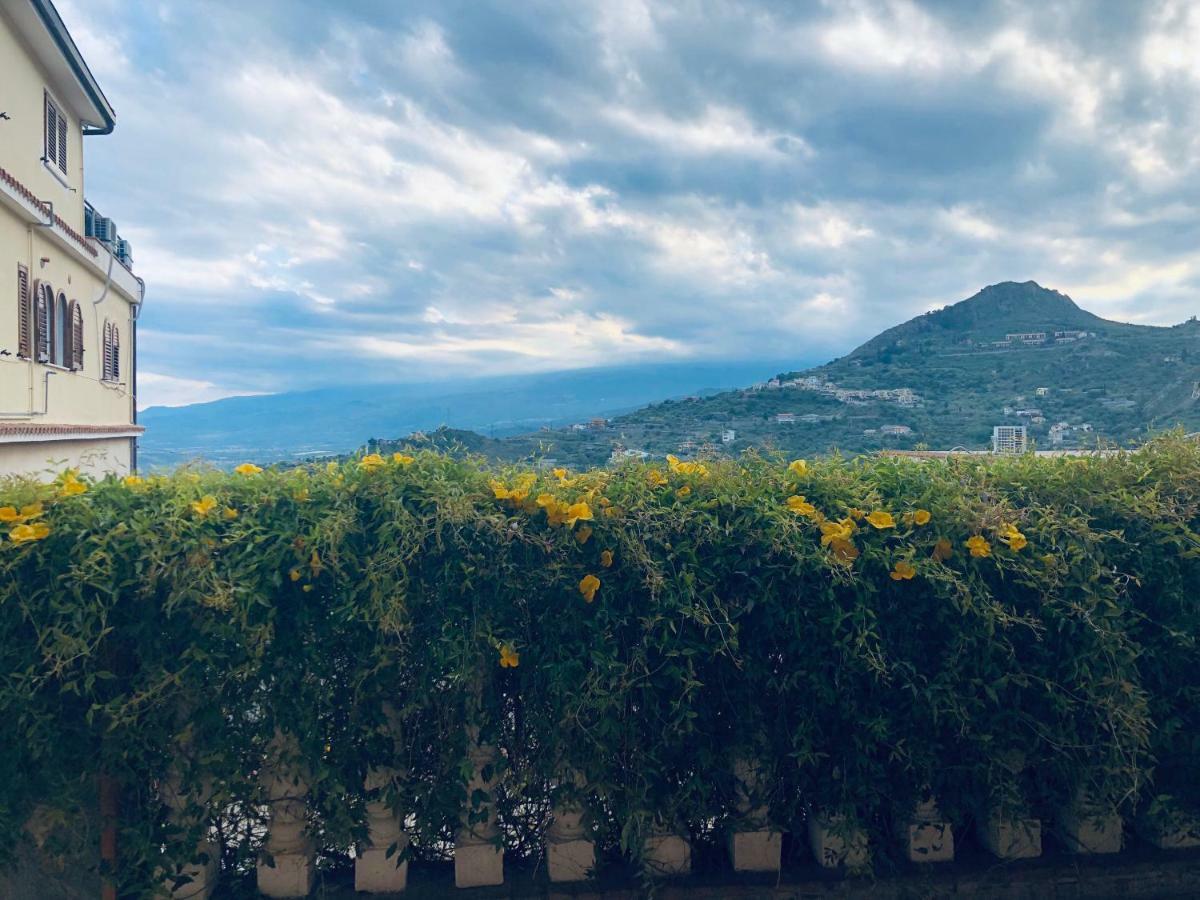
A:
[667,854]
[572,860]
[927,837]
[477,865]
[1087,828]
[293,875]
[835,842]
[1011,838]
[377,873]
[755,851]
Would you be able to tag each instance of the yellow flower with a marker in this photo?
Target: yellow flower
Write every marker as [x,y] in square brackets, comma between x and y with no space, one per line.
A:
[942,550]
[684,491]
[880,519]
[583,534]
[72,485]
[8,514]
[509,657]
[844,551]
[855,513]
[205,505]
[1011,535]
[25,533]
[230,512]
[248,469]
[588,587]
[672,462]
[371,461]
[403,459]
[799,505]
[306,588]
[132,480]
[979,546]
[922,516]
[314,563]
[798,467]
[32,511]
[560,474]
[294,574]
[656,477]
[301,496]
[606,558]
[833,533]
[903,571]
[499,490]
[578,512]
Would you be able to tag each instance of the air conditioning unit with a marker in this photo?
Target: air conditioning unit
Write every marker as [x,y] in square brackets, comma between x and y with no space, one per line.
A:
[124,252]
[104,230]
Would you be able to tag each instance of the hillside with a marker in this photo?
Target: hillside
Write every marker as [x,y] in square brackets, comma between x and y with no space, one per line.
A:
[941,380]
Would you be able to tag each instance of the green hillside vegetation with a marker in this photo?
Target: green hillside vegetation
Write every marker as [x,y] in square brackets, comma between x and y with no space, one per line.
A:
[1107,381]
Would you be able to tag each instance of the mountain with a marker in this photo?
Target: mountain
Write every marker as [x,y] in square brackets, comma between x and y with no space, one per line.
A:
[306,424]
[942,380]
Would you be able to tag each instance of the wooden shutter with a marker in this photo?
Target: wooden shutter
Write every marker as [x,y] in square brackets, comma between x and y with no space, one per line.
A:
[76,361]
[43,300]
[62,143]
[116,353]
[106,366]
[24,314]
[51,131]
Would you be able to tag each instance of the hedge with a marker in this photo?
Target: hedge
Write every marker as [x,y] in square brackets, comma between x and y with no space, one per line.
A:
[998,631]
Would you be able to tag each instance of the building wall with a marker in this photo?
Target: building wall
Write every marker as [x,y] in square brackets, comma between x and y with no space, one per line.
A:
[68,397]
[23,84]
[43,459]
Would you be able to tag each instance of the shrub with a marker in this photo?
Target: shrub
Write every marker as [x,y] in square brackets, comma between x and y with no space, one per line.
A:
[1007,631]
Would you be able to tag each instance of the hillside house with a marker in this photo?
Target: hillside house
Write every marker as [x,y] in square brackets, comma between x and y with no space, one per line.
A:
[1042,392]
[1028,413]
[785,418]
[67,316]
[1009,439]
[895,429]
[728,436]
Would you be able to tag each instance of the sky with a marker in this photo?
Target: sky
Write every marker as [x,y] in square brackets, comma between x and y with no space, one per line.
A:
[369,191]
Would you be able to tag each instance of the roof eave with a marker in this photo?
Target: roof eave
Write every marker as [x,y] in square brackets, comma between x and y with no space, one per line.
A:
[87,81]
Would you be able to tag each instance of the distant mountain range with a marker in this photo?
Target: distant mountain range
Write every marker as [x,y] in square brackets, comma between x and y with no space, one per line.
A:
[1013,354]
[308,424]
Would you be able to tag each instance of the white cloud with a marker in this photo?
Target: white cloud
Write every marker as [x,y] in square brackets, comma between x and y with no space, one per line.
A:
[158,389]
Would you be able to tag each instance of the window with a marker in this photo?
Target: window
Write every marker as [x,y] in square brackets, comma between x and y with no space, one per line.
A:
[111,363]
[43,315]
[61,333]
[24,314]
[56,136]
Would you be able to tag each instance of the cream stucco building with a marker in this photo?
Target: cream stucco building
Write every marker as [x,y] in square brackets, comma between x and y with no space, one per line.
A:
[68,295]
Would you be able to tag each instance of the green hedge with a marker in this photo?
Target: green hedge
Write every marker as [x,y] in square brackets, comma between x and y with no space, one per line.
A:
[748,609]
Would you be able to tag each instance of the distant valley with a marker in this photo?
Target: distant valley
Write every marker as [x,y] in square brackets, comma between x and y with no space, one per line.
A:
[314,424]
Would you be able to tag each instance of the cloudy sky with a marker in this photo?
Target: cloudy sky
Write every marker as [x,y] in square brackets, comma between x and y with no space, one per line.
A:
[334,192]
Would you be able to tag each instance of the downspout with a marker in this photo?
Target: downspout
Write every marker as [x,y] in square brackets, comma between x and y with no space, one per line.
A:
[137,311]
[49,206]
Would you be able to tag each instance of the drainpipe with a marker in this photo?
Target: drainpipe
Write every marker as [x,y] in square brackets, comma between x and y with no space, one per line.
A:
[25,414]
[137,311]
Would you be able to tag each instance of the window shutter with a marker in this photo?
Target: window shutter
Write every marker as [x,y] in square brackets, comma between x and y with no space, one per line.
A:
[62,143]
[24,314]
[76,336]
[116,353]
[43,300]
[106,363]
[51,131]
